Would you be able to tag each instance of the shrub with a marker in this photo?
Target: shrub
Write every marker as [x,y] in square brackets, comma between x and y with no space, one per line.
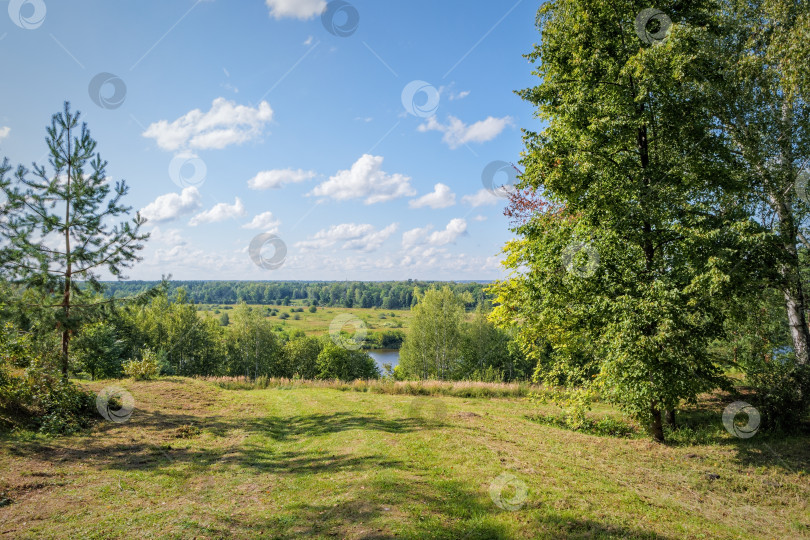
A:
[313,309]
[284,315]
[782,391]
[146,368]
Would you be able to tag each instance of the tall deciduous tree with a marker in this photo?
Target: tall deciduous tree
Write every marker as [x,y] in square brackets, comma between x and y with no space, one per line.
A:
[762,48]
[623,272]
[432,346]
[58,234]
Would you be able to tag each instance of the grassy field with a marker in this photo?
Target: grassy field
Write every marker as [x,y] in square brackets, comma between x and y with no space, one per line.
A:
[315,324]
[199,461]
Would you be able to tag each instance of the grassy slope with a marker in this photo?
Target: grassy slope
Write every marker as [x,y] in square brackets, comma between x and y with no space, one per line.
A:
[317,462]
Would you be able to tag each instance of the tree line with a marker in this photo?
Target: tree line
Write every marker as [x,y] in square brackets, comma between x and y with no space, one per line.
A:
[358,294]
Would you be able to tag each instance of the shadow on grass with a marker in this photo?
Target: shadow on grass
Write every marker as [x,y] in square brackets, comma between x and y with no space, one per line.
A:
[151,441]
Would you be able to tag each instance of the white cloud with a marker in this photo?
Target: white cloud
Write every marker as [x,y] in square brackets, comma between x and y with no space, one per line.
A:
[169,237]
[415,236]
[308,41]
[172,205]
[4,131]
[226,123]
[479,217]
[454,229]
[457,132]
[482,198]
[366,179]
[275,178]
[361,237]
[459,95]
[297,9]
[442,197]
[264,221]
[220,212]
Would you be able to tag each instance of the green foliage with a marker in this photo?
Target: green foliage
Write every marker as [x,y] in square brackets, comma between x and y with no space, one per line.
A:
[97,350]
[253,348]
[39,398]
[224,319]
[148,367]
[313,308]
[433,345]
[782,389]
[335,362]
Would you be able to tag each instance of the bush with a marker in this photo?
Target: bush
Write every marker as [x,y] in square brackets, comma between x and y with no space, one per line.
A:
[40,398]
[782,392]
[146,368]
[284,315]
[313,309]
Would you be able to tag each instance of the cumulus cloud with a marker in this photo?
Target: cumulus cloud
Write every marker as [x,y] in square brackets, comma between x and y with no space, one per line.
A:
[276,178]
[226,123]
[482,197]
[264,221]
[360,237]
[169,237]
[296,9]
[4,131]
[451,232]
[172,205]
[441,197]
[220,212]
[457,132]
[366,180]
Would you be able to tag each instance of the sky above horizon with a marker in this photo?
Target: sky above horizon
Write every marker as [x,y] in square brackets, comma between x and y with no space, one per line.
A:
[345,140]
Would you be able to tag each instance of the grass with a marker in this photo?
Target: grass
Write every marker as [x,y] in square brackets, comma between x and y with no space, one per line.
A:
[311,461]
[317,324]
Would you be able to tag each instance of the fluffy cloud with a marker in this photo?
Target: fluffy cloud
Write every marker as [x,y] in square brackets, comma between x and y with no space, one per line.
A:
[4,131]
[457,132]
[297,9]
[172,205]
[276,178]
[366,179]
[441,197]
[482,198]
[361,237]
[479,217]
[226,123]
[453,230]
[264,221]
[169,237]
[220,212]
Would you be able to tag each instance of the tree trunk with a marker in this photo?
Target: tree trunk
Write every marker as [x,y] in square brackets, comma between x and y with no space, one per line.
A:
[68,268]
[670,416]
[656,427]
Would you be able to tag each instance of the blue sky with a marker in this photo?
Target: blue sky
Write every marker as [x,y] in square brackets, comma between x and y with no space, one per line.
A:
[233,119]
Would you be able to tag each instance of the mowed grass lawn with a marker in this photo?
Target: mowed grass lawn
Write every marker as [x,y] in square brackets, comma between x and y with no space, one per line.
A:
[199,461]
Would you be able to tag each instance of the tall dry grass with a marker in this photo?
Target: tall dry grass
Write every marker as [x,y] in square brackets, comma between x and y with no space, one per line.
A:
[383,386]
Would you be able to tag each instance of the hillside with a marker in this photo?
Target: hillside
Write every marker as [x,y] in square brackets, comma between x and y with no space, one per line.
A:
[196,460]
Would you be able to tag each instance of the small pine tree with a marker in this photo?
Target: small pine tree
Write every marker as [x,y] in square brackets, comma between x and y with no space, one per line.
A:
[57,231]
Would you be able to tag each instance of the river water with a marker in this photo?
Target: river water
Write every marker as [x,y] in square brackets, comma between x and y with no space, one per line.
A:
[385,356]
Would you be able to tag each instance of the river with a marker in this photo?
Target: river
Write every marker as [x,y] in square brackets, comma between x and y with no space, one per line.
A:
[385,356]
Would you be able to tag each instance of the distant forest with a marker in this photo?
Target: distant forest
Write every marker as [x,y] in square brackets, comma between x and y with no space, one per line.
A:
[365,294]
